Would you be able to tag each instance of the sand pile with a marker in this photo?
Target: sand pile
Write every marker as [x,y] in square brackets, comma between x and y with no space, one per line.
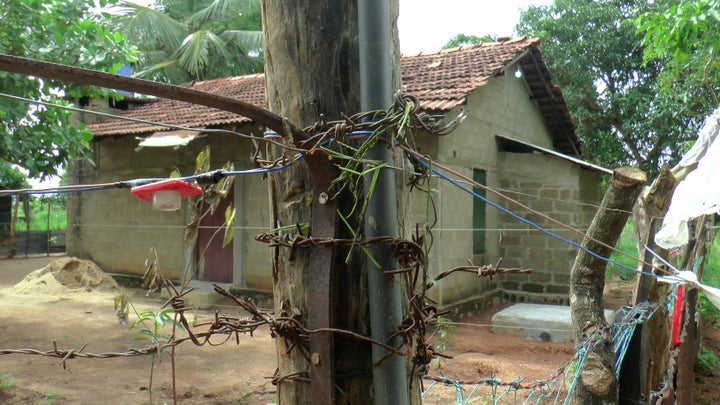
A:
[68,274]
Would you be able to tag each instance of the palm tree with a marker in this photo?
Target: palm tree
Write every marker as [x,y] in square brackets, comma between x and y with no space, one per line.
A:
[184,40]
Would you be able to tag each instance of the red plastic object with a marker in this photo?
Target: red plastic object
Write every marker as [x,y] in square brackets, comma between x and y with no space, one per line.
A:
[677,316]
[184,188]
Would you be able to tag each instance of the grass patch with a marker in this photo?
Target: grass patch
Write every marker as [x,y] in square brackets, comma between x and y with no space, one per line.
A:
[52,397]
[711,277]
[7,381]
[39,213]
[707,362]
[625,243]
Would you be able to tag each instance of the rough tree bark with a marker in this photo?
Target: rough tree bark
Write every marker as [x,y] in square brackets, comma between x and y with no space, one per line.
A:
[598,384]
[654,335]
[312,73]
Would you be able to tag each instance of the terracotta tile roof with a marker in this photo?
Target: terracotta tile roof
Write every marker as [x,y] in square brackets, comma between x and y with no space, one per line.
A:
[443,80]
[249,88]
[440,80]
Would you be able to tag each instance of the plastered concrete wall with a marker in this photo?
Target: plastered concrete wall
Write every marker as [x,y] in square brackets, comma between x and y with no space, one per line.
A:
[557,188]
[116,230]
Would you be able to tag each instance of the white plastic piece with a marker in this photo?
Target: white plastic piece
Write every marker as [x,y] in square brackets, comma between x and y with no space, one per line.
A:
[167,200]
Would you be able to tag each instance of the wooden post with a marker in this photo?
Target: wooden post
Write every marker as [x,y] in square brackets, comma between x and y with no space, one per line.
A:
[598,384]
[12,243]
[312,73]
[47,228]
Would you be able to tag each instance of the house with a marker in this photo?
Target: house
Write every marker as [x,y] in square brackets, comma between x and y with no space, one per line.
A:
[518,138]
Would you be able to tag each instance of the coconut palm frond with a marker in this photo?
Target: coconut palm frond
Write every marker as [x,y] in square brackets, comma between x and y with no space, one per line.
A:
[151,70]
[182,40]
[193,53]
[216,10]
[147,25]
[248,41]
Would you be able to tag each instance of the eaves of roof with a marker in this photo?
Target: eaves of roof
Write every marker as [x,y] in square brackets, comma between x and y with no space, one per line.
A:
[440,81]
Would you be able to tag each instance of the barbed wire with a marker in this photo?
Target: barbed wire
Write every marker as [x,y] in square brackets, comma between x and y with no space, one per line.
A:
[483,271]
[421,313]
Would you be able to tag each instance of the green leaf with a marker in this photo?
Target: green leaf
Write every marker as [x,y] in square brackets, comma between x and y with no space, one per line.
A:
[229,225]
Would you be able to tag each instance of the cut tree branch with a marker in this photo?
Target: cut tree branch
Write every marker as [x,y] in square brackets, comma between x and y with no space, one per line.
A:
[54,71]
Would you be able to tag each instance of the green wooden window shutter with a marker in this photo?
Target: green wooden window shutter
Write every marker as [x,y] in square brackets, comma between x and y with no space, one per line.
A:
[479,176]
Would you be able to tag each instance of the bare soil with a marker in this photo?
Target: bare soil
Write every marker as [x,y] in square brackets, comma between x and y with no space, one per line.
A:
[226,374]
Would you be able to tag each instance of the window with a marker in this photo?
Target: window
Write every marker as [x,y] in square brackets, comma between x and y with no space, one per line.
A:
[479,176]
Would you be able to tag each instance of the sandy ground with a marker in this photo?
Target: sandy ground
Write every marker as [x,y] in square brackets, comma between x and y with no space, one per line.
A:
[226,374]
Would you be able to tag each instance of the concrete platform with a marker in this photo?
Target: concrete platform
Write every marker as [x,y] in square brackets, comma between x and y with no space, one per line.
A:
[538,322]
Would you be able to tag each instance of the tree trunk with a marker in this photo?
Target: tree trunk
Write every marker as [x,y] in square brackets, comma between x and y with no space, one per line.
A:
[654,341]
[598,384]
[312,73]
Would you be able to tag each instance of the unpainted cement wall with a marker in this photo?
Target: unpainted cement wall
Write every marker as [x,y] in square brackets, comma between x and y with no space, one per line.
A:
[500,108]
[564,192]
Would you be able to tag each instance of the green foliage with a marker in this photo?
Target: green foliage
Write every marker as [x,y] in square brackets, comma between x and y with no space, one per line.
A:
[184,40]
[464,40]
[39,213]
[62,31]
[627,244]
[622,113]
[11,178]
[445,330]
[229,225]
[706,362]
[156,321]
[684,35]
[711,276]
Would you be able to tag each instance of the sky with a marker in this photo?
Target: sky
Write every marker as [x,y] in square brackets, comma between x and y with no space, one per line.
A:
[426,25]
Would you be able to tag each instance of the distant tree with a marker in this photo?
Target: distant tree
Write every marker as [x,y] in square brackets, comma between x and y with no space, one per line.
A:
[620,109]
[11,177]
[184,40]
[64,31]
[684,35]
[464,40]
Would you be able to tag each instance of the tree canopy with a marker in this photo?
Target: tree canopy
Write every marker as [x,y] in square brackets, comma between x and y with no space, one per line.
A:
[184,40]
[622,111]
[464,40]
[684,35]
[63,31]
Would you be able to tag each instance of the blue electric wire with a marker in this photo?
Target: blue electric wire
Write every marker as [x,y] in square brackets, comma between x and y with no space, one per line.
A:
[527,221]
[224,173]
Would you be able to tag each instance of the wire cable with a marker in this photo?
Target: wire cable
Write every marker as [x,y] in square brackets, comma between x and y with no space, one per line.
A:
[424,162]
[149,122]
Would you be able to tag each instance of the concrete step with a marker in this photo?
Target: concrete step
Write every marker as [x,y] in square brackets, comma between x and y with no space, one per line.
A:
[550,323]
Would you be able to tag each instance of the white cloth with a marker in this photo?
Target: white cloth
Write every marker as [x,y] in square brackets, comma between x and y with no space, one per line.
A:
[698,194]
[688,277]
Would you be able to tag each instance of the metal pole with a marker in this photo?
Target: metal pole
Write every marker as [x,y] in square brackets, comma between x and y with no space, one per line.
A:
[389,375]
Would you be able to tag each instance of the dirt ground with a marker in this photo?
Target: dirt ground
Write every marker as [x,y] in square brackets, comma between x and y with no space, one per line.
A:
[226,374]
